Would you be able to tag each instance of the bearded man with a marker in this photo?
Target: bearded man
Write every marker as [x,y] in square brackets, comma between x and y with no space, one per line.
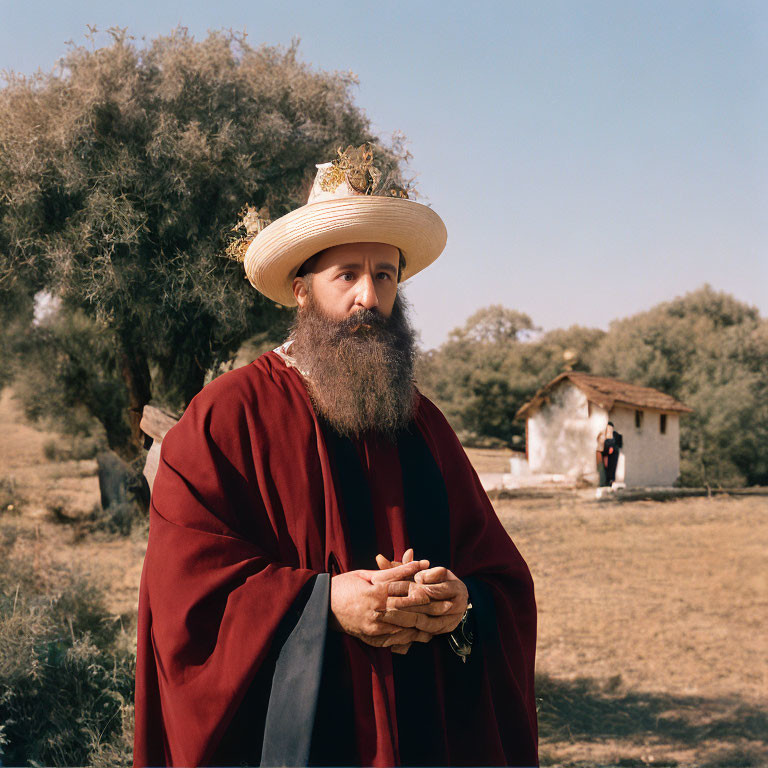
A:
[284,617]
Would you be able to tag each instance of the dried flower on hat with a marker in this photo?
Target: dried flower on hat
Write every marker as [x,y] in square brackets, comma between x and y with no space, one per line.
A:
[252,221]
[354,165]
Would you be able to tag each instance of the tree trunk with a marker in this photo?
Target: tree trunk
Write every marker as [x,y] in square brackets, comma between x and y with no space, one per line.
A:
[193,381]
[138,383]
[176,381]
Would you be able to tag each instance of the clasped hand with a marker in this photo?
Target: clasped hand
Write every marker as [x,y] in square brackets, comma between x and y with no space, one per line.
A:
[399,604]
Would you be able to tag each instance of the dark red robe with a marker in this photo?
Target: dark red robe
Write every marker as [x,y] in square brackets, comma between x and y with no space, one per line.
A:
[245,512]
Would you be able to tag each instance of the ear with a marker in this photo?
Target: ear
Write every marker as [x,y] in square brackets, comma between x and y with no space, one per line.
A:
[299,288]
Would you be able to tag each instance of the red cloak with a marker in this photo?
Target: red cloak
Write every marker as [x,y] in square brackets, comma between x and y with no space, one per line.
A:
[244,513]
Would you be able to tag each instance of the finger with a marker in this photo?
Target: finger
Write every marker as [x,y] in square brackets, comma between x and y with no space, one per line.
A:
[399,572]
[401,649]
[399,588]
[408,589]
[408,556]
[378,628]
[377,641]
[422,637]
[382,562]
[410,619]
[445,590]
[408,603]
[417,594]
[434,575]
[403,637]
[399,637]
[433,608]
[404,619]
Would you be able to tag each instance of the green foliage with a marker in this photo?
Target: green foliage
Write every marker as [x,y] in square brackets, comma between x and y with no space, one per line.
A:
[121,177]
[487,369]
[16,314]
[67,372]
[66,668]
[472,370]
[492,325]
[710,351]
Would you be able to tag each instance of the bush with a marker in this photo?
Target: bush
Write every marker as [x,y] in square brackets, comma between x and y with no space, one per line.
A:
[10,498]
[119,518]
[74,448]
[66,668]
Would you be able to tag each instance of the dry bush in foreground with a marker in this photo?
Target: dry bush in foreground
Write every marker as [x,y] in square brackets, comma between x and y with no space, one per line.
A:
[66,665]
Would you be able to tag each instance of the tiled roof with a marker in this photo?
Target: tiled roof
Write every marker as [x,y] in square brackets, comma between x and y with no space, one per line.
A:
[607,393]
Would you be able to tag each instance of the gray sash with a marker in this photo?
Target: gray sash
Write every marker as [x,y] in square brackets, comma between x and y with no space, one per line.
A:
[296,683]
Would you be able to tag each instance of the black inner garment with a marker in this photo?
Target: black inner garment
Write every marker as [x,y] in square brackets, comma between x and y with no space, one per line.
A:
[420,730]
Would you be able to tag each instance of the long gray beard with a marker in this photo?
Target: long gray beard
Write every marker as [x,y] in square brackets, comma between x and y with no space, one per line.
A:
[360,378]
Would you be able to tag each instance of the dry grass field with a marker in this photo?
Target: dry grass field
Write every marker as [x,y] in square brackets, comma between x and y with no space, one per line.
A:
[492,460]
[71,487]
[652,615]
[652,628]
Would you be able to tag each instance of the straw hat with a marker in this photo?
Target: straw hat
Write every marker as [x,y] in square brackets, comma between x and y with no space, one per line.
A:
[347,204]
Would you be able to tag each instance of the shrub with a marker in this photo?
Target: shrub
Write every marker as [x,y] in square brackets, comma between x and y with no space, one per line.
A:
[66,668]
[73,448]
[10,498]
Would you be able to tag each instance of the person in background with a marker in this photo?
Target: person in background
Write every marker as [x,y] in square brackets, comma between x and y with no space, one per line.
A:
[611,448]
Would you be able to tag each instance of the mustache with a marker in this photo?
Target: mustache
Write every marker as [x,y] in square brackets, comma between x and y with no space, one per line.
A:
[361,323]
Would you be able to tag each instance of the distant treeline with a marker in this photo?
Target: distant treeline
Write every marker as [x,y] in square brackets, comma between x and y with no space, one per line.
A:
[707,349]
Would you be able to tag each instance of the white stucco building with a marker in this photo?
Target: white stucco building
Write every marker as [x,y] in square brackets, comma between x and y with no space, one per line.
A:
[564,418]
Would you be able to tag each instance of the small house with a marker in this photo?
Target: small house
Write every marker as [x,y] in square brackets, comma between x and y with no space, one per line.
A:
[564,418]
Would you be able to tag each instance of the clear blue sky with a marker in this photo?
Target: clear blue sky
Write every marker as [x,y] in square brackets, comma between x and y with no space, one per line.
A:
[590,159]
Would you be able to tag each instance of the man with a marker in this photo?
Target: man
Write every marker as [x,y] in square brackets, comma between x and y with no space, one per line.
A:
[611,448]
[326,582]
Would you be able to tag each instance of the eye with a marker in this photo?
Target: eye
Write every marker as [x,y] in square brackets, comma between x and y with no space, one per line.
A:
[385,275]
[346,276]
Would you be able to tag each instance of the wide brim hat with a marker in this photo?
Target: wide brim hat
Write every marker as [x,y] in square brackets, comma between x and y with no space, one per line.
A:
[338,214]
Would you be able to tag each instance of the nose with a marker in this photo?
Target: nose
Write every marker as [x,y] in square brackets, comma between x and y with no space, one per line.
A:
[366,295]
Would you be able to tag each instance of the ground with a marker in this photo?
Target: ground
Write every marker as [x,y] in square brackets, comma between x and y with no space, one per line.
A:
[652,640]
[652,636]
[490,460]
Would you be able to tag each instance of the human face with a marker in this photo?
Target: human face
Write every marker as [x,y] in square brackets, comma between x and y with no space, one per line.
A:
[350,277]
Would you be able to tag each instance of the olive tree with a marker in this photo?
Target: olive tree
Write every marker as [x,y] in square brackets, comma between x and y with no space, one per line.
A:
[122,173]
